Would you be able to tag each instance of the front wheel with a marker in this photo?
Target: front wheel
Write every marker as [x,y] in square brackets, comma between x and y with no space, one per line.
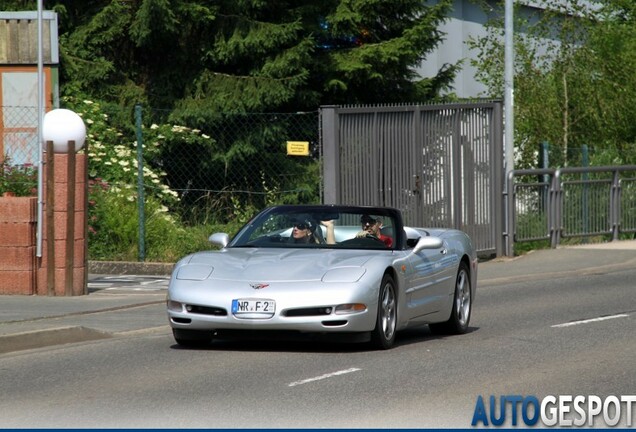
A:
[383,336]
[462,302]
[192,338]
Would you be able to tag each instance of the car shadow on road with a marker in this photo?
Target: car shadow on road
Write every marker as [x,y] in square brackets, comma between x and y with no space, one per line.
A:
[424,333]
[303,344]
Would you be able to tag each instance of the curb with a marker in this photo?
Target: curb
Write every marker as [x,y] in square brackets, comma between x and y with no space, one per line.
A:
[130,268]
[42,338]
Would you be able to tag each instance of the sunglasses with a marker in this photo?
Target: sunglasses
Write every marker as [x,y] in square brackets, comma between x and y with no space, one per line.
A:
[302,226]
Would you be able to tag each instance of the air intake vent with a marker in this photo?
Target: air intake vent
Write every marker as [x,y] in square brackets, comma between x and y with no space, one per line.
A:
[206,310]
[338,323]
[315,311]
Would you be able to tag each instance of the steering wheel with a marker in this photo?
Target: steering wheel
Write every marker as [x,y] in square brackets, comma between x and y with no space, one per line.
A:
[370,236]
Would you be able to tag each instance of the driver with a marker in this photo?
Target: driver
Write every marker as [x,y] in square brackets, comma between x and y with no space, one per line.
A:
[371,226]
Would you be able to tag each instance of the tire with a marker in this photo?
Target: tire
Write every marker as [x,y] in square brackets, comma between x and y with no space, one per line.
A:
[192,338]
[383,336]
[462,305]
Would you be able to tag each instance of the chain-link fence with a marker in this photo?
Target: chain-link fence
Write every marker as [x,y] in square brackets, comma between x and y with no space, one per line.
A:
[237,160]
[19,151]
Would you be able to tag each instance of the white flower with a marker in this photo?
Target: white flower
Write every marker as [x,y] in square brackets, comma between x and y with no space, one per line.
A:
[87,102]
[154,126]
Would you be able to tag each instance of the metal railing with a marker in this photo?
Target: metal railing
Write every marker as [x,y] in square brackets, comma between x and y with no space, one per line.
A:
[553,204]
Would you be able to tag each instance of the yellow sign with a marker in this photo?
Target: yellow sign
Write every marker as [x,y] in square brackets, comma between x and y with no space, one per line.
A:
[297,148]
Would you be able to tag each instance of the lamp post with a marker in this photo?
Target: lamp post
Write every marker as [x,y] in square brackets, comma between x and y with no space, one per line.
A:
[64,132]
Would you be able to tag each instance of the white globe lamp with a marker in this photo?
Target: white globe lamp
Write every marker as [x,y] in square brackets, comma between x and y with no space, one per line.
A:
[61,126]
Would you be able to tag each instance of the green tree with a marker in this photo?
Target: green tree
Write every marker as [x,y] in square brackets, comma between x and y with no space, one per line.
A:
[208,64]
[573,81]
[248,55]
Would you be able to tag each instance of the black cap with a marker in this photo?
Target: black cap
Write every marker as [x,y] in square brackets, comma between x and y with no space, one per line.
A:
[305,224]
[367,220]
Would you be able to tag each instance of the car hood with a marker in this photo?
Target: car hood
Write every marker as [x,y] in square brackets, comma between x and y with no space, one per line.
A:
[271,265]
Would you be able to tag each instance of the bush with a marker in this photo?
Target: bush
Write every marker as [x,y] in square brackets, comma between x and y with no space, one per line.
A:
[114,228]
[20,180]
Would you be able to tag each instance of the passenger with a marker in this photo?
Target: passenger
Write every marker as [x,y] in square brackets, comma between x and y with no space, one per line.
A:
[304,232]
[308,231]
[373,227]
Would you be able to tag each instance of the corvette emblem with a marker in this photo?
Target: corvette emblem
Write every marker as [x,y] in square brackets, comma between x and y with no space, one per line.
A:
[259,285]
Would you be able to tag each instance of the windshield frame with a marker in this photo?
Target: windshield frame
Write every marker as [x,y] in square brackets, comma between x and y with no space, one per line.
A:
[391,217]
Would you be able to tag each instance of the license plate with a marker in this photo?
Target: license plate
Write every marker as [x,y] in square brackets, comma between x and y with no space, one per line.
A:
[253,306]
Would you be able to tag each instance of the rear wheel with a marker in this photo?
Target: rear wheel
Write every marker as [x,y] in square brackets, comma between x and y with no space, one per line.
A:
[383,335]
[192,338]
[462,305]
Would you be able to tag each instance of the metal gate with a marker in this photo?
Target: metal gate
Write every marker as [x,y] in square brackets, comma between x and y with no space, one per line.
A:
[441,165]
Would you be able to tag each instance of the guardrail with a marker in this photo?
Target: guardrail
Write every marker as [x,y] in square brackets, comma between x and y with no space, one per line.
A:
[552,204]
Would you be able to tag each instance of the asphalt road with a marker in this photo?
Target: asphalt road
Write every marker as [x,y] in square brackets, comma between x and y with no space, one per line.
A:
[563,336]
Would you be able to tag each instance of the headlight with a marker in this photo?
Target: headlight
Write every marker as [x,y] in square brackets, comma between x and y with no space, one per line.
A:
[195,272]
[344,274]
[350,308]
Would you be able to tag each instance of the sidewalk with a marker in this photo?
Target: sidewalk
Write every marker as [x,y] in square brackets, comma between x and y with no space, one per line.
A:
[118,305]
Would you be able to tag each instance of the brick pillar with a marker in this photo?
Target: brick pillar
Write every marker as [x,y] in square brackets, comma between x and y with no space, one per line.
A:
[18,216]
[61,216]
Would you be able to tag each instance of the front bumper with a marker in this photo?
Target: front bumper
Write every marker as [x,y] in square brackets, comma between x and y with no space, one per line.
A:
[310,309]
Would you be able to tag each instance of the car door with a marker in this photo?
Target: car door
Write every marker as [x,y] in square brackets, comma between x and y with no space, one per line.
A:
[431,279]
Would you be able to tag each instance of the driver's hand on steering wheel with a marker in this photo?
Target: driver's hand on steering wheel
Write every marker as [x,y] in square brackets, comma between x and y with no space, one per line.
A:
[362,234]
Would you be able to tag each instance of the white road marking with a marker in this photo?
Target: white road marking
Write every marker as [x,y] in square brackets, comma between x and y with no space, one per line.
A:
[322,377]
[130,283]
[573,323]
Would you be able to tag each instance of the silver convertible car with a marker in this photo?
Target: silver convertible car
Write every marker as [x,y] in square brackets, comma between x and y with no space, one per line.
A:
[345,272]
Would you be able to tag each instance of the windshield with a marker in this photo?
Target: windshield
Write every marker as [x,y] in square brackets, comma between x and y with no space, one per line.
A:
[318,227]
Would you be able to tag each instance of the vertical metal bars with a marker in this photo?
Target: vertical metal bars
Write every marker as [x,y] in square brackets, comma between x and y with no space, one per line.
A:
[441,165]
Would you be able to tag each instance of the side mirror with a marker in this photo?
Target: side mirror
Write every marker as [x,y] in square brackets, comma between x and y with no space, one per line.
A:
[428,243]
[221,239]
